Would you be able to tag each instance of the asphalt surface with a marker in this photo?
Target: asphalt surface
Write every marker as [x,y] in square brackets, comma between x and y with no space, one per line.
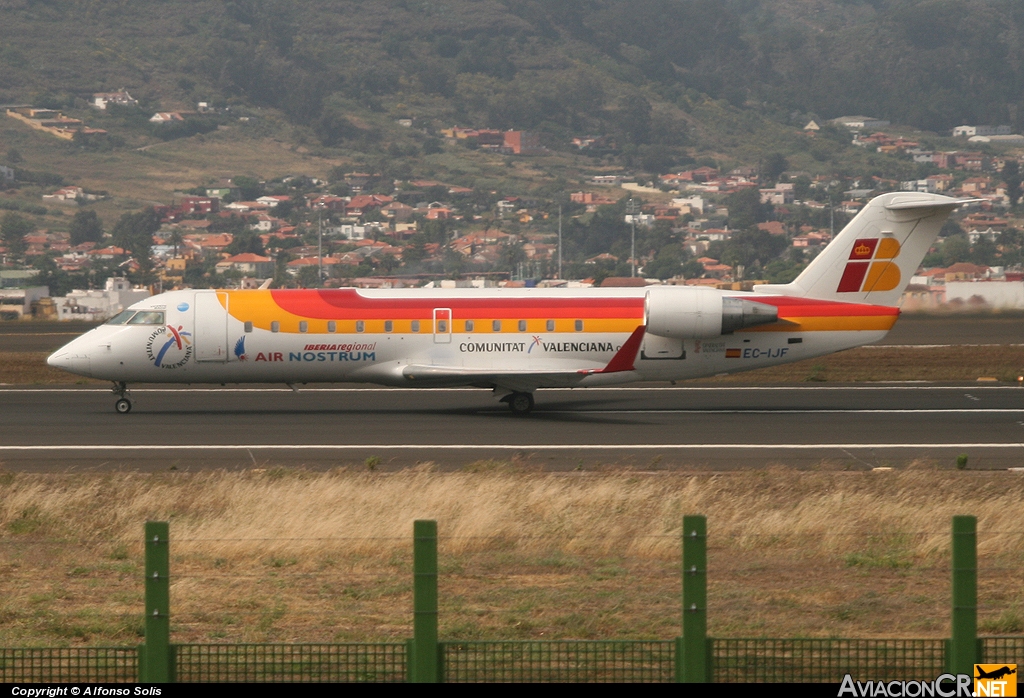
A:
[40,336]
[911,329]
[1006,328]
[718,428]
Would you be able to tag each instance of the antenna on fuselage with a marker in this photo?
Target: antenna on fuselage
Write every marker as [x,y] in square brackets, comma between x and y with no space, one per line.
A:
[266,284]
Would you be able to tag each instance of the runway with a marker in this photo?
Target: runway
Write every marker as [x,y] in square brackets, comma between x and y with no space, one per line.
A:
[654,427]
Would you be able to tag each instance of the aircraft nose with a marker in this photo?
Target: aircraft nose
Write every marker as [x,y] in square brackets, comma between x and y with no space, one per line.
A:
[70,360]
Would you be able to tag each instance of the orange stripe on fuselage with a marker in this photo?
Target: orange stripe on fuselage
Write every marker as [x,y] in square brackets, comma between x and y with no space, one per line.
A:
[346,306]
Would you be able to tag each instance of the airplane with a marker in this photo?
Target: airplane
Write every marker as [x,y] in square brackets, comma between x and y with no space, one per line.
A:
[995,673]
[516,341]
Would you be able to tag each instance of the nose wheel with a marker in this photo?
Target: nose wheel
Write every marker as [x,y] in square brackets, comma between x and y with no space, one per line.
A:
[123,404]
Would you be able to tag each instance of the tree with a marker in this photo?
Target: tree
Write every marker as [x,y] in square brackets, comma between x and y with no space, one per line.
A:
[773,167]
[634,116]
[1011,175]
[511,255]
[51,276]
[745,209]
[416,251]
[248,187]
[956,248]
[245,241]
[309,277]
[752,247]
[86,227]
[176,238]
[666,264]
[13,229]
[134,233]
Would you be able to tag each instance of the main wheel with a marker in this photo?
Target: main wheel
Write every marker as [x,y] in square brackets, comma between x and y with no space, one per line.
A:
[520,403]
[123,406]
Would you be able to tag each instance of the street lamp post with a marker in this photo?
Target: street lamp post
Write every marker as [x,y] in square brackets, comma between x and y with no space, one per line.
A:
[320,245]
[632,208]
[559,241]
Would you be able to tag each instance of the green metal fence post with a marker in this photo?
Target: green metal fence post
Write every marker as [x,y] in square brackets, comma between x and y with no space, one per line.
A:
[963,641]
[155,662]
[424,659]
[692,657]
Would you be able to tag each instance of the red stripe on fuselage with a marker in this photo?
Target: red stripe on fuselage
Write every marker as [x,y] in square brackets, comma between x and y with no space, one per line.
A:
[790,306]
[344,304]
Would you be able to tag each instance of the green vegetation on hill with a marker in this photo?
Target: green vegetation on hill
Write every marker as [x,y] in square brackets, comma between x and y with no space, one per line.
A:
[567,67]
[318,89]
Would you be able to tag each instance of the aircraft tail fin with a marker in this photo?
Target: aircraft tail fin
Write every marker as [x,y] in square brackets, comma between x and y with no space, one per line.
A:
[873,258]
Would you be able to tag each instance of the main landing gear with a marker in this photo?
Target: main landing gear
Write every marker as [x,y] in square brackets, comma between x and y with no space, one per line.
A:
[123,404]
[520,403]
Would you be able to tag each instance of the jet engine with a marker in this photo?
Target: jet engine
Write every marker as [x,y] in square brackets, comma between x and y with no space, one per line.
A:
[698,313]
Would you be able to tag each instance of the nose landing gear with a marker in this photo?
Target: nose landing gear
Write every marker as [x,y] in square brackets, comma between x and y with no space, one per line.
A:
[123,404]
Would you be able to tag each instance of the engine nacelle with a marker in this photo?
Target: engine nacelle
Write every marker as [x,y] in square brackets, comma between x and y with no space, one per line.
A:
[697,313]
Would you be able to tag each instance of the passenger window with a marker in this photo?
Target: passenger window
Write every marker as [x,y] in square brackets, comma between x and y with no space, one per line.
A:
[389,326]
[360,326]
[522,325]
[147,317]
[550,324]
[248,326]
[469,325]
[579,325]
[442,325]
[303,326]
[332,326]
[415,325]
[121,318]
[495,325]
[275,326]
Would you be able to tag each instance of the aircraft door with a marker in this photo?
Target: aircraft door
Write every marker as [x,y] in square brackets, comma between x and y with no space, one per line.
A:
[442,325]
[211,326]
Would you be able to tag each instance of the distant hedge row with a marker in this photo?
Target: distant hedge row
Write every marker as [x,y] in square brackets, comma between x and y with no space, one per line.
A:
[21,206]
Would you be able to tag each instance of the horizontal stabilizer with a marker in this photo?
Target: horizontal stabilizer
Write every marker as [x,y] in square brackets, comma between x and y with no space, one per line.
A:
[911,203]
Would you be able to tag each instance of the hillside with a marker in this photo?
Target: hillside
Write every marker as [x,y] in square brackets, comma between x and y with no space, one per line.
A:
[566,67]
[322,90]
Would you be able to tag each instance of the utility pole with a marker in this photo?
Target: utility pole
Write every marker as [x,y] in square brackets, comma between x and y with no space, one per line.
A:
[559,241]
[632,208]
[320,245]
[831,214]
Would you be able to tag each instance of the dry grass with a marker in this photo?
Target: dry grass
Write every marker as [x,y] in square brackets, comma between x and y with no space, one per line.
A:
[29,367]
[288,555]
[866,364]
[134,176]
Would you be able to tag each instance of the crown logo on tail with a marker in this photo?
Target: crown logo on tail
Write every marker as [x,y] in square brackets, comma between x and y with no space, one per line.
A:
[871,267]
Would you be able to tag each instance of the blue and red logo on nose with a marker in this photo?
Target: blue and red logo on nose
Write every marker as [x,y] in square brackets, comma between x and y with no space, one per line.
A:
[169,347]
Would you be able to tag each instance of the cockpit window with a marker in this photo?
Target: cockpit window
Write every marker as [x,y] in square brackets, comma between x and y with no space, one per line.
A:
[147,317]
[121,318]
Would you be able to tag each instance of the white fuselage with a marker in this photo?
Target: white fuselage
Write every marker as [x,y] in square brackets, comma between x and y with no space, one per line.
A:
[200,340]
